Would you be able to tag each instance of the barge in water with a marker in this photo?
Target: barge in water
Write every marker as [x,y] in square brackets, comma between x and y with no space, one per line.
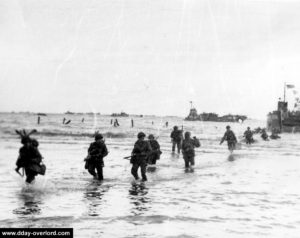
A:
[282,119]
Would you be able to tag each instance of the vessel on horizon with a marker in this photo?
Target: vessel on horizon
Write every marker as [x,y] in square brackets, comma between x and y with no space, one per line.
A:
[211,116]
[122,114]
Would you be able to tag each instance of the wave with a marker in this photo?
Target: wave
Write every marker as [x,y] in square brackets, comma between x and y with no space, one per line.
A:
[156,219]
[116,135]
[58,133]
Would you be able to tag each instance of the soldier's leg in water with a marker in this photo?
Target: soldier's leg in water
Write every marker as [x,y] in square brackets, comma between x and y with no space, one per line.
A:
[234,145]
[231,146]
[186,161]
[149,159]
[192,160]
[91,169]
[30,175]
[178,146]
[99,168]
[30,178]
[143,169]
[154,159]
[173,146]
[134,170]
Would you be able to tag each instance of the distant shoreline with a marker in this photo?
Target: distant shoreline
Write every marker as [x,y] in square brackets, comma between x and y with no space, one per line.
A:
[87,114]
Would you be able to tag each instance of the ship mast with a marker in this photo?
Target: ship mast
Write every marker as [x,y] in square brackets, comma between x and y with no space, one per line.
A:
[191,102]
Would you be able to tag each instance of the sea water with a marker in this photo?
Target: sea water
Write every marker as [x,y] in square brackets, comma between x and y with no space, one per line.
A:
[252,193]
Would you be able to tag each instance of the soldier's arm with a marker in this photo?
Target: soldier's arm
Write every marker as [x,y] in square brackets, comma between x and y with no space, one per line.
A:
[183,146]
[90,148]
[38,154]
[20,153]
[181,134]
[223,138]
[149,146]
[197,142]
[105,151]
[19,159]
[234,137]
[134,150]
[158,145]
[39,157]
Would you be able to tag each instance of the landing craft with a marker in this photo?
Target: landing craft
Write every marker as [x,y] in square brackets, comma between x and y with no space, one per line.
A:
[282,119]
[194,116]
[41,114]
[122,114]
[69,113]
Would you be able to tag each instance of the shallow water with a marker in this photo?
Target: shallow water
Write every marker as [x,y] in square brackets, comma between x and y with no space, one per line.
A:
[253,193]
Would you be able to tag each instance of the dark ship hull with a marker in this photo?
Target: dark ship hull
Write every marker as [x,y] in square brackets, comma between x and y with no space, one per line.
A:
[122,114]
[283,121]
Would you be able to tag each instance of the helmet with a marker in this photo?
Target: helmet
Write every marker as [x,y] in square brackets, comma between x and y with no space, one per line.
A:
[227,127]
[141,135]
[25,140]
[151,137]
[98,137]
[175,127]
[248,128]
[187,134]
[34,142]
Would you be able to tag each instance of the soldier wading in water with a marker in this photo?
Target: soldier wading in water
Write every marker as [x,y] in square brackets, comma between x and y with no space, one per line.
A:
[139,156]
[188,149]
[176,136]
[264,135]
[96,152]
[155,153]
[248,134]
[229,136]
[29,157]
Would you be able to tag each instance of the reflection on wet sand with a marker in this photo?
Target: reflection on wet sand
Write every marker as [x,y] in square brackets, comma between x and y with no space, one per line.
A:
[151,169]
[231,158]
[30,204]
[189,170]
[139,199]
[94,195]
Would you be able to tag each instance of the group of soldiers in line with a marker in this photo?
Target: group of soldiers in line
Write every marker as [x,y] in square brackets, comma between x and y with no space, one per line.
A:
[230,137]
[248,134]
[145,152]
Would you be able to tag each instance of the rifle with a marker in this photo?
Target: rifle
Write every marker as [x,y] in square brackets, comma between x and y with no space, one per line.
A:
[128,157]
[144,154]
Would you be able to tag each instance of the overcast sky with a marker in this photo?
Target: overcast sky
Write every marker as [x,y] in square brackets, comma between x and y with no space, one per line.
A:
[147,56]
